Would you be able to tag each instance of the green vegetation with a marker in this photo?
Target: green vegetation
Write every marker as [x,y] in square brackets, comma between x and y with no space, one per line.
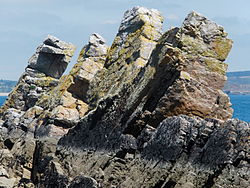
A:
[6,85]
[32,87]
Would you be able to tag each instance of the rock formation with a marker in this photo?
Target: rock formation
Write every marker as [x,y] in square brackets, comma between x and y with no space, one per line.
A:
[146,112]
[42,73]
[19,113]
[65,104]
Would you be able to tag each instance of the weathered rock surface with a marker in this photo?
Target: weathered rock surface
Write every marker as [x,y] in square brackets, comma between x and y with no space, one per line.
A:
[146,112]
[19,114]
[42,73]
[137,37]
[52,57]
[181,152]
[66,103]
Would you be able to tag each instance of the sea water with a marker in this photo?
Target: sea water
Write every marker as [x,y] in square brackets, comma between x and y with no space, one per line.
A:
[241,106]
[2,99]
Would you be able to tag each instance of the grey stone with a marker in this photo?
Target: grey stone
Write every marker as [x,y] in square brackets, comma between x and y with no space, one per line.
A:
[6,182]
[117,120]
[3,172]
[208,29]
[138,16]
[52,57]
[83,182]
[97,46]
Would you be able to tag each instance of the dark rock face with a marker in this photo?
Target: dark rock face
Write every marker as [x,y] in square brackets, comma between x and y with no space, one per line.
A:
[146,112]
[181,152]
[174,81]
[207,142]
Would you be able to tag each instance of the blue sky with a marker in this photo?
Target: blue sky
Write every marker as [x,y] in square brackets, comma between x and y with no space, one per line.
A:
[25,23]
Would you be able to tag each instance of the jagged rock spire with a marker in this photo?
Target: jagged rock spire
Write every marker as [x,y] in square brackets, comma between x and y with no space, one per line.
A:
[202,27]
[138,24]
[151,105]
[91,58]
[137,37]
[97,46]
[139,16]
[52,57]
[42,73]
[191,70]
[66,103]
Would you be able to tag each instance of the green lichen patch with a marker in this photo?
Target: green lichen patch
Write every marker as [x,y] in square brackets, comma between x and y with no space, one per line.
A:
[214,65]
[222,47]
[192,45]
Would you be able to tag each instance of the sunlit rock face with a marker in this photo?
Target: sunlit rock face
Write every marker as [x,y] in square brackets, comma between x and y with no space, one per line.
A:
[19,114]
[137,36]
[146,112]
[44,69]
[191,60]
[66,103]
[52,57]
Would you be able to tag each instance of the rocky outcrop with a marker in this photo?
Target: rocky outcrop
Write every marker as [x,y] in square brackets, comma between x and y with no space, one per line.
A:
[66,103]
[174,81]
[19,114]
[137,37]
[181,152]
[146,112]
[190,67]
[52,57]
[42,73]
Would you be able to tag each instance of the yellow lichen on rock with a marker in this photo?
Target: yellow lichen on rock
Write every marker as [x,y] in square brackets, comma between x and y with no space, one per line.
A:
[216,66]
[222,47]
[137,37]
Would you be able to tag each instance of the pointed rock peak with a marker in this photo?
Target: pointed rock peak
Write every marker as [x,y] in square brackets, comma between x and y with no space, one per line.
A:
[55,42]
[138,23]
[197,24]
[141,16]
[51,41]
[96,39]
[194,16]
[97,46]
[135,11]
[52,57]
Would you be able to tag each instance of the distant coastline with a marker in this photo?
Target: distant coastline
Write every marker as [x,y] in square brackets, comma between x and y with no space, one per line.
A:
[4,94]
[238,83]
[237,92]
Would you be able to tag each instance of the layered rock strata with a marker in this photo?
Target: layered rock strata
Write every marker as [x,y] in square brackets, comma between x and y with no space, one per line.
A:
[19,114]
[42,73]
[137,37]
[174,81]
[66,103]
[146,112]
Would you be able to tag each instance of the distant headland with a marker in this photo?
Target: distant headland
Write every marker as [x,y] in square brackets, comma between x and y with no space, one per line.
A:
[6,86]
[238,83]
